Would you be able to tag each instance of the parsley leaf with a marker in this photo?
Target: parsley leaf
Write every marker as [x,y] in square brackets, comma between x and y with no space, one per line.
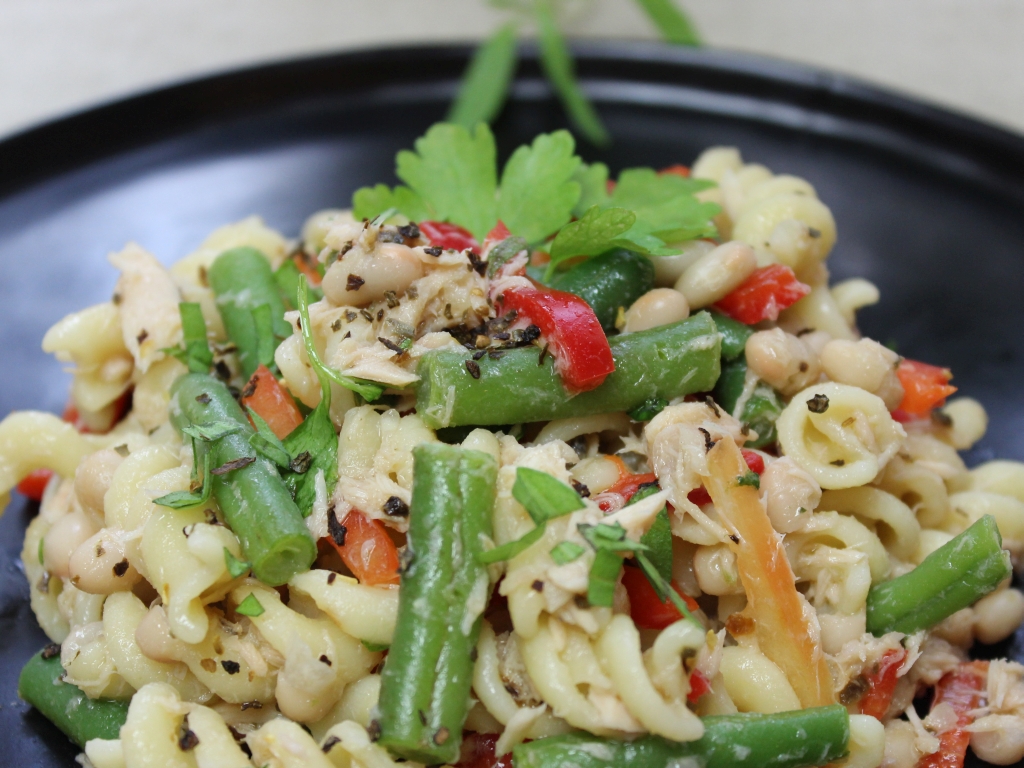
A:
[370,202]
[487,79]
[595,232]
[267,443]
[210,431]
[250,606]
[235,566]
[316,436]
[593,181]
[512,548]
[566,552]
[750,478]
[195,350]
[456,171]
[673,24]
[538,192]
[604,574]
[544,497]
[184,499]
[665,204]
[658,541]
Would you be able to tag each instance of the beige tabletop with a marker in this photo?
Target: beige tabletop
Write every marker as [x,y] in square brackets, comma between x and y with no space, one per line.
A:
[61,55]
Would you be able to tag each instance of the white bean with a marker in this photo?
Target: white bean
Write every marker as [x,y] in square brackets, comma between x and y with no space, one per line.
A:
[63,538]
[716,571]
[660,306]
[92,479]
[1001,746]
[997,615]
[865,364]
[791,494]
[716,274]
[358,279]
[668,269]
[99,565]
[598,473]
[782,360]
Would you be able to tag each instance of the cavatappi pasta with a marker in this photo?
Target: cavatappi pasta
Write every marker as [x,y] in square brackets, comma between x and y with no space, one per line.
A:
[790,481]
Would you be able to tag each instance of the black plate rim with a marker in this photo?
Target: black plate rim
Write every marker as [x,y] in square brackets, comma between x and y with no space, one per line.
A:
[747,85]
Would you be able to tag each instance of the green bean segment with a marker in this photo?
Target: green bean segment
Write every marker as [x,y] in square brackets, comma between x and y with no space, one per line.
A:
[607,282]
[243,283]
[425,685]
[65,705]
[952,577]
[762,407]
[521,386]
[798,739]
[253,498]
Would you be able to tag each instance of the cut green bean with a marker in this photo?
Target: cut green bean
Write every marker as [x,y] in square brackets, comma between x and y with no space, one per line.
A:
[522,385]
[243,282]
[734,335]
[762,408]
[425,685]
[952,577]
[65,705]
[798,739]
[253,498]
[607,282]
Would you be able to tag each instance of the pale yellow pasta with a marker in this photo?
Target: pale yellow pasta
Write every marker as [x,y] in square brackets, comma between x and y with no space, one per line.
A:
[319,658]
[969,422]
[152,394]
[755,683]
[216,747]
[1000,476]
[88,664]
[364,612]
[894,522]
[1008,512]
[919,488]
[282,743]
[817,311]
[122,615]
[853,294]
[847,442]
[105,753]
[867,742]
[149,737]
[43,589]
[833,529]
[148,300]
[128,503]
[349,745]
[568,429]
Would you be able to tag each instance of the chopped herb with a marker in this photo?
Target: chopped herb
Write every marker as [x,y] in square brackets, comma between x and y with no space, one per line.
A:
[233,667]
[301,463]
[818,404]
[211,431]
[354,283]
[658,541]
[250,606]
[235,566]
[648,409]
[544,497]
[749,478]
[266,443]
[664,589]
[335,528]
[375,647]
[183,499]
[42,542]
[474,368]
[566,552]
[121,568]
[510,549]
[395,507]
[230,466]
[604,573]
[188,740]
[195,350]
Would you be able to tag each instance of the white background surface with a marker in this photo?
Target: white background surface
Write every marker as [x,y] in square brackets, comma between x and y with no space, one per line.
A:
[61,55]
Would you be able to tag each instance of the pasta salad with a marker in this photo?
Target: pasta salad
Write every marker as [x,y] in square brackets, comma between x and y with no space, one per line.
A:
[528,468]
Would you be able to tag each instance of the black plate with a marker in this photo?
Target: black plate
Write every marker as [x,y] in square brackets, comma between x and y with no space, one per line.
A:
[929,207]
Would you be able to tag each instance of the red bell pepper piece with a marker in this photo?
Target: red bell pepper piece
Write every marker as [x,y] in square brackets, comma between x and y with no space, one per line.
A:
[882,684]
[576,340]
[963,689]
[271,402]
[478,752]
[307,267]
[496,235]
[765,293]
[368,551]
[645,608]
[699,685]
[628,484]
[755,462]
[676,170]
[924,386]
[34,483]
[445,235]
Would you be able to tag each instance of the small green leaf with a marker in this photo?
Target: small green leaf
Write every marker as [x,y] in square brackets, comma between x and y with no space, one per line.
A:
[314,437]
[185,499]
[485,84]
[658,541]
[648,409]
[374,647]
[455,173]
[266,443]
[235,566]
[566,552]
[596,232]
[287,278]
[593,181]
[665,204]
[604,574]
[371,202]
[544,497]
[558,66]
[609,538]
[750,479]
[368,390]
[266,343]
[196,353]
[42,541]
[511,549]
[250,606]
[211,431]
[538,192]
[671,22]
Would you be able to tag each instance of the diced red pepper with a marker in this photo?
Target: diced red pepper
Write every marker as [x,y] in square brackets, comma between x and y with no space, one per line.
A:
[368,551]
[271,402]
[307,267]
[478,752]
[763,295]
[699,685]
[755,462]
[445,235]
[33,485]
[496,235]
[646,610]
[676,170]
[882,684]
[963,689]
[924,386]
[576,340]
[628,484]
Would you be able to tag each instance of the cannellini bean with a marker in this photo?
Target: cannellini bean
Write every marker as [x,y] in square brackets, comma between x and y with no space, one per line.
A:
[900,745]
[668,269]
[100,566]
[598,473]
[865,364]
[92,479]
[838,629]
[154,637]
[716,571]
[1000,746]
[660,306]
[716,274]
[359,279]
[63,538]
[782,360]
[790,494]
[997,615]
